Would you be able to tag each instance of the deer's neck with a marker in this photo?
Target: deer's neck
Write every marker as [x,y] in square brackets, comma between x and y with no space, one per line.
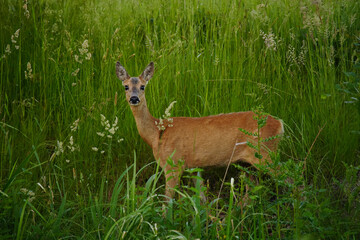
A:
[145,123]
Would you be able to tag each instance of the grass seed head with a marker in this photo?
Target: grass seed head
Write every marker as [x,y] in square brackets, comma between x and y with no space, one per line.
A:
[59,149]
[74,73]
[75,125]
[101,134]
[26,11]
[28,72]
[270,40]
[7,49]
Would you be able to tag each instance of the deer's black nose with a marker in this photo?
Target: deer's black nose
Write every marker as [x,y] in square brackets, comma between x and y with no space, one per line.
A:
[134,100]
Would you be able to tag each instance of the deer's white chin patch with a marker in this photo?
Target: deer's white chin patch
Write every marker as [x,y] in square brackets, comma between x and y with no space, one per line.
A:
[134,104]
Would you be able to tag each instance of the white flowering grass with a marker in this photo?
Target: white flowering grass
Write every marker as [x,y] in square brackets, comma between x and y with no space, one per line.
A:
[70,145]
[59,148]
[75,73]
[166,120]
[26,9]
[14,39]
[28,72]
[84,53]
[29,194]
[75,125]
[271,41]
[210,56]
[297,59]
[14,43]
[108,131]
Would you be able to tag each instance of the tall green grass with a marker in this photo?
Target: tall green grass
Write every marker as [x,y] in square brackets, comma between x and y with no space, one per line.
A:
[297,59]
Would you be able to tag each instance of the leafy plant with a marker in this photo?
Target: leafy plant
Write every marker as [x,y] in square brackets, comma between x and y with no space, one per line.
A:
[351,88]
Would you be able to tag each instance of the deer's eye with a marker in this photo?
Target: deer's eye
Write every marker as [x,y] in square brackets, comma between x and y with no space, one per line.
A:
[142,87]
[126,87]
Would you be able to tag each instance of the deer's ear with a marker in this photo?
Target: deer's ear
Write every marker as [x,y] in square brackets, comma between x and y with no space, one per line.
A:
[148,72]
[121,72]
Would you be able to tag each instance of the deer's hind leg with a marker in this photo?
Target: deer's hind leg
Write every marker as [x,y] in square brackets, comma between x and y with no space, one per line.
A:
[246,199]
[201,183]
[246,154]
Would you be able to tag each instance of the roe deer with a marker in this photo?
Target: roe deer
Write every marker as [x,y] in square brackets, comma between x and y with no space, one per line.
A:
[198,142]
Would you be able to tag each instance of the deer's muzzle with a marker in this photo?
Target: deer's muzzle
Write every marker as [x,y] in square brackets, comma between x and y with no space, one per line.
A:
[134,100]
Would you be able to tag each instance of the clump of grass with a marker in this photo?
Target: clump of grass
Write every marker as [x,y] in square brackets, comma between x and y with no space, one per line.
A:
[289,56]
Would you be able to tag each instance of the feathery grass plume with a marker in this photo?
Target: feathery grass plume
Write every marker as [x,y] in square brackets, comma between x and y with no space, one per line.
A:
[77,59]
[75,125]
[317,22]
[14,38]
[331,56]
[259,13]
[74,73]
[166,120]
[216,61]
[30,194]
[26,11]
[295,59]
[109,131]
[271,41]
[291,55]
[174,34]
[28,72]
[7,51]
[59,148]
[101,134]
[84,52]
[71,146]
[84,47]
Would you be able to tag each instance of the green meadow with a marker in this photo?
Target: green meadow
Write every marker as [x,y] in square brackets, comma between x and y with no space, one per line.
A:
[73,166]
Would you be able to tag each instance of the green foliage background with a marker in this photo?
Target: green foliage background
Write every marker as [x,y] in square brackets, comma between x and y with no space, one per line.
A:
[212,57]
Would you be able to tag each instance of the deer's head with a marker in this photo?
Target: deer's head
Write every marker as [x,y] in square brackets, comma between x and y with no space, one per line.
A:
[135,86]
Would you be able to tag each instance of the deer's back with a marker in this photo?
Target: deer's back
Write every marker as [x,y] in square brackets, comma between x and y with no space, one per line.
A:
[209,141]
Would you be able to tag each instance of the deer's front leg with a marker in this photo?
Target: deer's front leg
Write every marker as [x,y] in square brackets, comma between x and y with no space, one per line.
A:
[172,177]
